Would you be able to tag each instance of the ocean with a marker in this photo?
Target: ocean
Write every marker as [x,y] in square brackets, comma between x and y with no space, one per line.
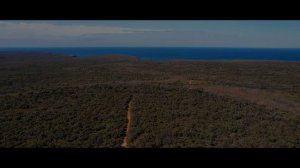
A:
[172,53]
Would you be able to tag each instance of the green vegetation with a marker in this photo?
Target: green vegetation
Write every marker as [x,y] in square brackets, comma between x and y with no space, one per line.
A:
[194,118]
[64,117]
[58,101]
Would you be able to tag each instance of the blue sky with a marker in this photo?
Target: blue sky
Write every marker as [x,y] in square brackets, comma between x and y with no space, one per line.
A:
[164,33]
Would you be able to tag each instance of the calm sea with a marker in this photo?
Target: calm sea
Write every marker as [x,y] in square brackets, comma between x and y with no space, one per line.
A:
[155,53]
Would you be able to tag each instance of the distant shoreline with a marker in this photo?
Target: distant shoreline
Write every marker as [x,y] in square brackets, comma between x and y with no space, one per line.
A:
[169,54]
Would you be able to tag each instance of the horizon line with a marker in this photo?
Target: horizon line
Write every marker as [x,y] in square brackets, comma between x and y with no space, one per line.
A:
[25,47]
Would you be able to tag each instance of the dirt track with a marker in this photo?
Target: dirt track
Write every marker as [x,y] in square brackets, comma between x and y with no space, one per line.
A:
[125,142]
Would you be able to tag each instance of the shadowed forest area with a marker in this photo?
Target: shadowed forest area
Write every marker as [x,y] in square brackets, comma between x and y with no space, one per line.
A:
[59,101]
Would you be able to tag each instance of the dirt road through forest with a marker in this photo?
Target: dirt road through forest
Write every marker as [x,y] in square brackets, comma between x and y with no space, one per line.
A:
[129,109]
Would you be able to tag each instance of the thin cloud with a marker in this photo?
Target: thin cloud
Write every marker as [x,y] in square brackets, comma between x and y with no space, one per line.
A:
[40,30]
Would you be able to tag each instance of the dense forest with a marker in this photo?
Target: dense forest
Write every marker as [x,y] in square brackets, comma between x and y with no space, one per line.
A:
[60,101]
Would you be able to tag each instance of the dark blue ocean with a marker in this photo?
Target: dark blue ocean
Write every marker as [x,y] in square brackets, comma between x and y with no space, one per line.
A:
[155,53]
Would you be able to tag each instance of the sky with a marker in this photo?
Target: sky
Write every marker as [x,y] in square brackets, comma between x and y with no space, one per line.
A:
[160,33]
